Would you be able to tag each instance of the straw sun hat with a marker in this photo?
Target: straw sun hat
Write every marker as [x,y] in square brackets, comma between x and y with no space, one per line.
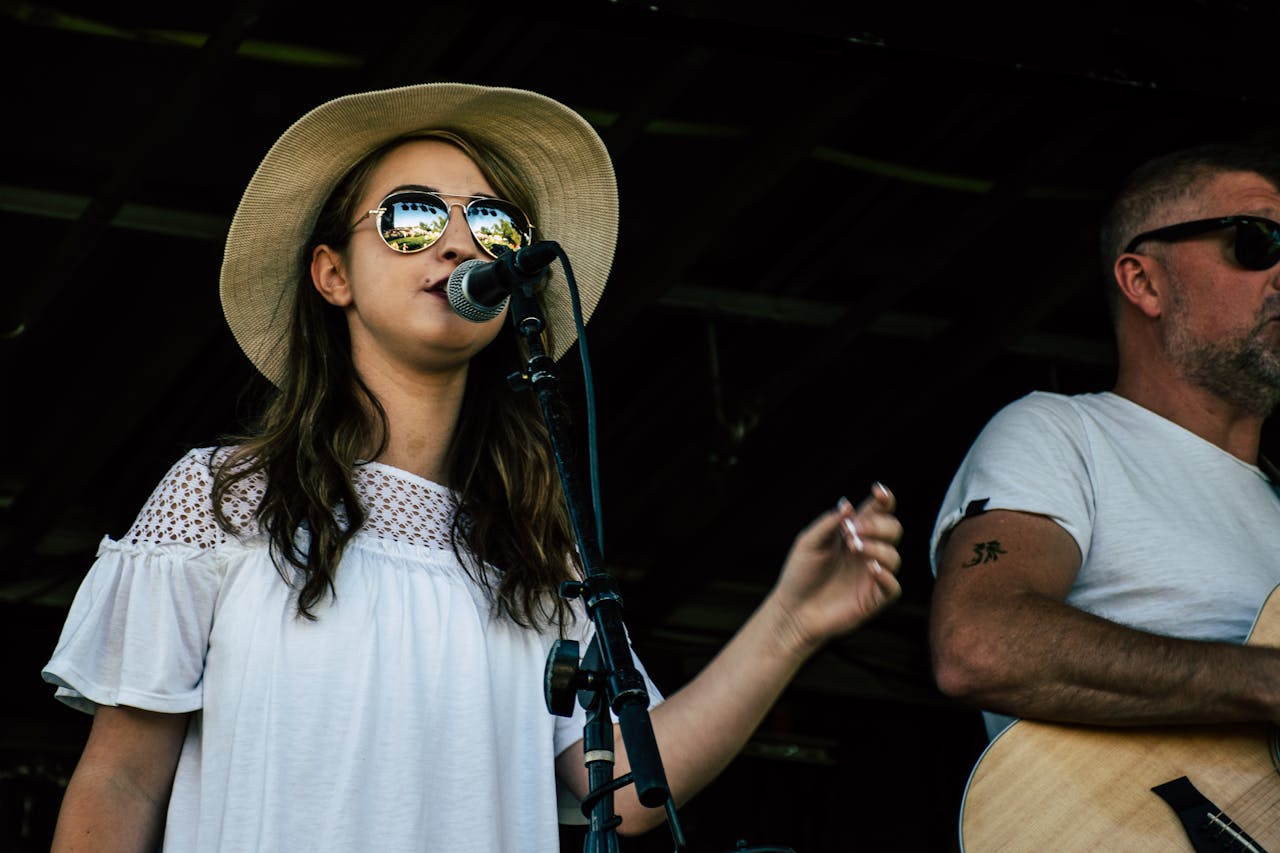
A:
[558,155]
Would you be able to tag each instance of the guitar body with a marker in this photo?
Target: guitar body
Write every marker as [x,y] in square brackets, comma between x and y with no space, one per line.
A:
[1042,786]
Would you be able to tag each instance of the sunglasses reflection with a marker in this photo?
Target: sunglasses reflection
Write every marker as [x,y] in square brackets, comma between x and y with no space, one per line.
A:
[413,222]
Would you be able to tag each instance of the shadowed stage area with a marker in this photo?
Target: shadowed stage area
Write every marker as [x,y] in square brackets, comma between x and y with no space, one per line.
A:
[848,236]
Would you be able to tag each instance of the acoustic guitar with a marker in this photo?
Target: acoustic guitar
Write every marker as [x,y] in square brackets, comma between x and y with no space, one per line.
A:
[1050,787]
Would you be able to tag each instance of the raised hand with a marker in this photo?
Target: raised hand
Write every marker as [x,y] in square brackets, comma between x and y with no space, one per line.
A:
[841,569]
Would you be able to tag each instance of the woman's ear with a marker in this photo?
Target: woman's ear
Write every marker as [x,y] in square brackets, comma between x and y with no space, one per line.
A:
[1142,284]
[329,276]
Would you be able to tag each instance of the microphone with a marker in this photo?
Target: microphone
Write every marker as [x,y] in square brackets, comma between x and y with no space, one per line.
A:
[478,290]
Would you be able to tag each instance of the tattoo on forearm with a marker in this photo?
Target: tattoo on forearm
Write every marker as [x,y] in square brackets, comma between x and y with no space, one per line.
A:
[985,552]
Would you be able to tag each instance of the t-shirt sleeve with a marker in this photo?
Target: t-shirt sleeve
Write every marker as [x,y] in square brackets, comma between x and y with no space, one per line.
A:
[138,627]
[1032,456]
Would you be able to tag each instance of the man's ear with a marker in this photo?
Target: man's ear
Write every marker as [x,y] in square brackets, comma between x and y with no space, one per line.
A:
[1143,284]
[329,275]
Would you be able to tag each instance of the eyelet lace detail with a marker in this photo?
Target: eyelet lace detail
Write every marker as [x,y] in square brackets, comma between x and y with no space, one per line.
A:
[181,507]
[403,508]
[400,507]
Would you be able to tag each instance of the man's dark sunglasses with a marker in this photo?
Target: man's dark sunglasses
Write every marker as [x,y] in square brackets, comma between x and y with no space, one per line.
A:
[1257,238]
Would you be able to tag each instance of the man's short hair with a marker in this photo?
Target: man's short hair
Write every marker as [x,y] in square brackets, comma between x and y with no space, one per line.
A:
[1165,180]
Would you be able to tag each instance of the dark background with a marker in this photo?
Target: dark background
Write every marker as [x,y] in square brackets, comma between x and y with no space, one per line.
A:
[849,234]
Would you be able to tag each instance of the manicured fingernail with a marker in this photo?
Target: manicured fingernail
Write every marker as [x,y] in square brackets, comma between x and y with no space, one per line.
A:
[855,541]
[875,566]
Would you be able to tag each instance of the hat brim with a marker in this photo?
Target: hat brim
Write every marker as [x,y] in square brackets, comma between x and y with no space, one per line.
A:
[560,158]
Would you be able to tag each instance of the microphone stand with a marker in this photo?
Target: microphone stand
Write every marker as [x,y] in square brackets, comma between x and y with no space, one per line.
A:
[607,679]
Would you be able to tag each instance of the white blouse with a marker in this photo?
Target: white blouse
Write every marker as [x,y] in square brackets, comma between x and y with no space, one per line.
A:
[406,717]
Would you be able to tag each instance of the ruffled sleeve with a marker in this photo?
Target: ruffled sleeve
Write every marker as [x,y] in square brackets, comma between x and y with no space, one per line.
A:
[138,628]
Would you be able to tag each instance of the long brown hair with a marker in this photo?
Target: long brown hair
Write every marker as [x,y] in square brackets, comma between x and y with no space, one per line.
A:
[511,514]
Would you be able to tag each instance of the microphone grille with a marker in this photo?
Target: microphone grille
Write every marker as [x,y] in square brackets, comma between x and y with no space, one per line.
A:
[463,306]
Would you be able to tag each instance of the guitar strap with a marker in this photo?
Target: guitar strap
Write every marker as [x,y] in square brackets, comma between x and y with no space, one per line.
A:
[1272,472]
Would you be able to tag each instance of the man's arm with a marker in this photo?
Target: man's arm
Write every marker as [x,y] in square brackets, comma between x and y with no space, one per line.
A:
[1004,639]
[119,792]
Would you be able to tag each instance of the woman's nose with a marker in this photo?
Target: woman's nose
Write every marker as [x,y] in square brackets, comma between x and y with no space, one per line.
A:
[456,240]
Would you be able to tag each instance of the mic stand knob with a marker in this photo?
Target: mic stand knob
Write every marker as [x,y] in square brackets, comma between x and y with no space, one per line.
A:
[560,679]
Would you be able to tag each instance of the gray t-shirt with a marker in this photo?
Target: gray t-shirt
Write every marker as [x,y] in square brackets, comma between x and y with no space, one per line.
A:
[1177,536]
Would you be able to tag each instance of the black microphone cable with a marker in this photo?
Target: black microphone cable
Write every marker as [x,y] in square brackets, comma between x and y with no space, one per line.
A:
[494,280]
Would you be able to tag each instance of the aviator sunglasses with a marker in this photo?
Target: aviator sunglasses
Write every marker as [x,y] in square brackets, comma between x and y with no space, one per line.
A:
[412,220]
[1257,244]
